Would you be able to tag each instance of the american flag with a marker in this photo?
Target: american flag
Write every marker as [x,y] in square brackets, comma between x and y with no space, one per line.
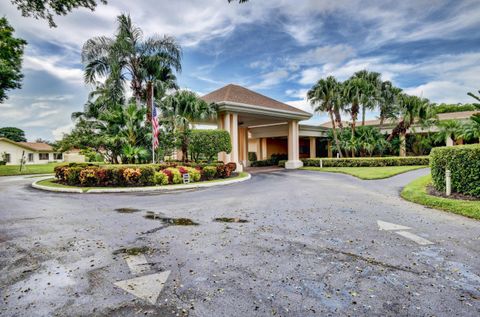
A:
[155,127]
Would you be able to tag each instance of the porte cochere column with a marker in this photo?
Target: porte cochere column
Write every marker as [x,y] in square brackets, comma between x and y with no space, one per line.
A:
[293,146]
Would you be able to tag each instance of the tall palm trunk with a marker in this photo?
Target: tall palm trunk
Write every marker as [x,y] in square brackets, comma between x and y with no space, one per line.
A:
[363,115]
[334,132]
[149,92]
[354,111]
[338,119]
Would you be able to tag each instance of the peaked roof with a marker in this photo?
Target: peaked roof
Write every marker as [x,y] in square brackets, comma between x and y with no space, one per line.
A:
[34,146]
[238,94]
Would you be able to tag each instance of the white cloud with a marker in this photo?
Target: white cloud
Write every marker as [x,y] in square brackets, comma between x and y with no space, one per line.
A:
[442,92]
[60,131]
[311,75]
[52,66]
[333,54]
[301,104]
[270,79]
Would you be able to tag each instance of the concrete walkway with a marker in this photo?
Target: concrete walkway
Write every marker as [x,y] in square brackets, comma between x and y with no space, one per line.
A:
[315,244]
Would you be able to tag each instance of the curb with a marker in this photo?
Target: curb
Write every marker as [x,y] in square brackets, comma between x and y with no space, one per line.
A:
[166,188]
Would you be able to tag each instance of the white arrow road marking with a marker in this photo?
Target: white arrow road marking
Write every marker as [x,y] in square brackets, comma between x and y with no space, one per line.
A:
[388,226]
[147,287]
[414,237]
[137,263]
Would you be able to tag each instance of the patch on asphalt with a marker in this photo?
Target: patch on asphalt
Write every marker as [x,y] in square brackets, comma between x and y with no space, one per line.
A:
[230,220]
[127,210]
[170,221]
[134,250]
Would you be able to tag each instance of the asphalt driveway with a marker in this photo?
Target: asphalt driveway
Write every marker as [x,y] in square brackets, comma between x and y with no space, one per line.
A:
[312,246]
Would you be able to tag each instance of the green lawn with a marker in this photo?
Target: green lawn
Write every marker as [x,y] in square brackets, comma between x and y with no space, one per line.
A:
[416,192]
[9,170]
[366,172]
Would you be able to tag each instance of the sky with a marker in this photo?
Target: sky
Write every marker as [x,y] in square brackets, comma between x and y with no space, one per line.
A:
[278,48]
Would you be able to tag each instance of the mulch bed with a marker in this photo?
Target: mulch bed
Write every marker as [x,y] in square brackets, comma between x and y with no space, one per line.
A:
[432,191]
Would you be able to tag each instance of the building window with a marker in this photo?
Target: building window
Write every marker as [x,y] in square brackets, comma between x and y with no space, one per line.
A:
[57,156]
[6,157]
[30,157]
[43,156]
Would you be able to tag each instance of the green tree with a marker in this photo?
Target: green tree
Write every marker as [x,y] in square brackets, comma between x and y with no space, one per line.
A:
[208,143]
[181,109]
[46,9]
[371,90]
[471,130]
[388,102]
[11,52]
[452,129]
[411,109]
[354,93]
[326,96]
[12,133]
[130,57]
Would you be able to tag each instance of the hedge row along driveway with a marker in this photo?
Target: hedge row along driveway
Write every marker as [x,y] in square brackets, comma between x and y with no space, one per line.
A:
[464,163]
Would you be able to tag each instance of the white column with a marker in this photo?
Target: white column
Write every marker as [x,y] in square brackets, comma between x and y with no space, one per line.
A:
[313,147]
[245,148]
[293,146]
[234,134]
[449,141]
[226,127]
[264,149]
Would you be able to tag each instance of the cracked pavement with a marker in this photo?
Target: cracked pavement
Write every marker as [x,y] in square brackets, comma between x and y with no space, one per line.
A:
[311,247]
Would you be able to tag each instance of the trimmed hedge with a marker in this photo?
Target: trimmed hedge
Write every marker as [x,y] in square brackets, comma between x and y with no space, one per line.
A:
[464,163]
[138,175]
[367,161]
[273,160]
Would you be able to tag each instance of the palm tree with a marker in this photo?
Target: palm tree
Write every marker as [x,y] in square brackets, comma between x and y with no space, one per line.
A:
[128,56]
[325,96]
[476,98]
[471,130]
[452,129]
[389,95]
[371,89]
[182,109]
[410,109]
[353,92]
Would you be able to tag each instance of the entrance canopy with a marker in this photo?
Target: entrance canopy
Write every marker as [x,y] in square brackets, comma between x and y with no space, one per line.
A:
[243,112]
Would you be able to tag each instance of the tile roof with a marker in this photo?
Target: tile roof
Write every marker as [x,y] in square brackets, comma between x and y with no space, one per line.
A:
[34,146]
[239,94]
[461,115]
[37,146]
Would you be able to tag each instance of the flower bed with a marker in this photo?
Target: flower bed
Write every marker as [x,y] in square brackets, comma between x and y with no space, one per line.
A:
[90,175]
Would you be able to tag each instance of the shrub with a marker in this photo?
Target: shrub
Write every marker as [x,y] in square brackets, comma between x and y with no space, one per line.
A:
[72,175]
[368,162]
[208,143]
[131,176]
[175,176]
[282,163]
[273,160]
[209,172]
[147,174]
[464,163]
[138,175]
[88,176]
[252,156]
[160,178]
[195,174]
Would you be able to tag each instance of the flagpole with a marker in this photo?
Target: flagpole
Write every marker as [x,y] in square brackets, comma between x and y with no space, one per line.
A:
[153,134]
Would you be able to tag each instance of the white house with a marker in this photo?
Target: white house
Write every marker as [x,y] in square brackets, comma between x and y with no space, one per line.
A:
[33,153]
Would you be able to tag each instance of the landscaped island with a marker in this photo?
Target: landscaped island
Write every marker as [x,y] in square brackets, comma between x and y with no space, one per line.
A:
[90,175]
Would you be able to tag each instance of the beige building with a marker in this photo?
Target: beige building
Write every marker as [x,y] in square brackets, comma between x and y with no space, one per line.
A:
[260,124]
[32,153]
